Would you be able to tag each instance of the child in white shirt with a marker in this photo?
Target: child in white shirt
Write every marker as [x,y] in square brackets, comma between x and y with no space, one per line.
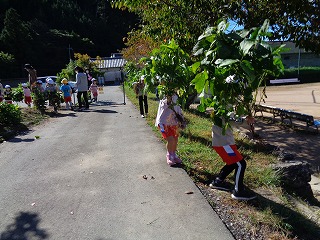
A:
[169,124]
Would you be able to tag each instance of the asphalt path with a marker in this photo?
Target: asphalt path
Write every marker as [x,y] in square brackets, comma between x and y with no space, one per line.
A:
[100,174]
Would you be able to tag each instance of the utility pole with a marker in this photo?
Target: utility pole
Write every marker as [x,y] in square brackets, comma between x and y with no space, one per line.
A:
[122,80]
[69,49]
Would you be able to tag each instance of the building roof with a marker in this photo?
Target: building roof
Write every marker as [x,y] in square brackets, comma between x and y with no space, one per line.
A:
[109,62]
[290,46]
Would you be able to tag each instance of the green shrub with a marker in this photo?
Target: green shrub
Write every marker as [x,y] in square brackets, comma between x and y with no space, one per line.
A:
[10,115]
[305,75]
[39,100]
[17,94]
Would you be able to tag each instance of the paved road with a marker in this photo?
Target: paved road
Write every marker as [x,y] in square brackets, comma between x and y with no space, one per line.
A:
[303,98]
[83,179]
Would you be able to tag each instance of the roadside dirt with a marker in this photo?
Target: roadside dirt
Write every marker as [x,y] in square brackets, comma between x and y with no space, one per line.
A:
[302,143]
[302,98]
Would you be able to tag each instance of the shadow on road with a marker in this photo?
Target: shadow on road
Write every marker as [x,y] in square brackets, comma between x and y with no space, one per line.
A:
[18,140]
[107,103]
[104,111]
[25,227]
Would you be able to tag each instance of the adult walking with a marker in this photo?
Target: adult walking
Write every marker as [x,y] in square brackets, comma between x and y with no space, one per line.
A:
[82,85]
[32,75]
[141,92]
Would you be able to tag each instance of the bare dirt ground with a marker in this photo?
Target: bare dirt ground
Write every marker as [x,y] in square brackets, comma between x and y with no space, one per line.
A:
[304,144]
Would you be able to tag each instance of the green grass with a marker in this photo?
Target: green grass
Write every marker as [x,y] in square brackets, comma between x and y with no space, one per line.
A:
[281,219]
[200,160]
[29,117]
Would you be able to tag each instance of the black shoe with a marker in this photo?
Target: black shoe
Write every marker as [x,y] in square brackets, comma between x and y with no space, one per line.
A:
[220,185]
[242,195]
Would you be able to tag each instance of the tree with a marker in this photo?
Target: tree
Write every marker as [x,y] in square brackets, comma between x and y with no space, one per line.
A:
[170,19]
[291,20]
[169,66]
[91,27]
[139,45]
[231,69]
[6,62]
[81,60]
[16,35]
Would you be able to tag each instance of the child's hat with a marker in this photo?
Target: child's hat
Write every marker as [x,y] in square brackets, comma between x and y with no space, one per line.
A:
[48,79]
[93,79]
[24,85]
[7,86]
[39,81]
[64,80]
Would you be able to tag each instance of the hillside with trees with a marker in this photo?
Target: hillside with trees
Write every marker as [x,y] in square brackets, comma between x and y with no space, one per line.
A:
[48,33]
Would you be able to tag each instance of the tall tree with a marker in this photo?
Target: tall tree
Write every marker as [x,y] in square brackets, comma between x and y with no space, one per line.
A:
[91,27]
[293,20]
[16,35]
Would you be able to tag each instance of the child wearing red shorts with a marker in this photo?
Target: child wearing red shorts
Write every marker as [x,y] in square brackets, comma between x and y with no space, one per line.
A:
[67,91]
[27,94]
[224,145]
[168,124]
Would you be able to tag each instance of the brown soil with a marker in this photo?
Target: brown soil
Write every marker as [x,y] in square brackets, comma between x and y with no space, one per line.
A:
[303,144]
[296,140]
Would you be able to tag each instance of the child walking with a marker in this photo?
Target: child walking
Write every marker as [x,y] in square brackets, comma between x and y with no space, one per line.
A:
[27,94]
[168,124]
[141,94]
[65,88]
[39,87]
[7,94]
[224,145]
[52,93]
[94,89]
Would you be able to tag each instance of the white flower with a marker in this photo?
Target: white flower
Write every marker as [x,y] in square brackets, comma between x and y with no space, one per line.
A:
[230,79]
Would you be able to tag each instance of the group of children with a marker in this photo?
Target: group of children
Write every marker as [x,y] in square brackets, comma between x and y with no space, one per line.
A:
[51,90]
[168,121]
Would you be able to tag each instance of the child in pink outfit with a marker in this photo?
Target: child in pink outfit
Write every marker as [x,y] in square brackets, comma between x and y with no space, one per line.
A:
[27,94]
[168,124]
[94,89]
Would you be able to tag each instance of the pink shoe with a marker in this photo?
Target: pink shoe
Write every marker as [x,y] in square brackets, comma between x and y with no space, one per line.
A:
[170,161]
[177,160]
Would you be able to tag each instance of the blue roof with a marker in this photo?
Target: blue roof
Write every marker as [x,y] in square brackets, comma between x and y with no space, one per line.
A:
[110,62]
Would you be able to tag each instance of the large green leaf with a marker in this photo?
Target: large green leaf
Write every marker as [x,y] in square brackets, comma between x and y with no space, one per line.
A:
[226,62]
[222,26]
[249,70]
[246,45]
[263,31]
[195,67]
[200,81]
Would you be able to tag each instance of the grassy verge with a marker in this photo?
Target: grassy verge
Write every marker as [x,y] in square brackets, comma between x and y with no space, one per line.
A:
[30,117]
[271,216]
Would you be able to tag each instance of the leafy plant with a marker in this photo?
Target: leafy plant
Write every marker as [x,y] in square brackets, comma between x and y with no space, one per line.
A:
[10,115]
[169,65]
[17,94]
[231,68]
[39,100]
[82,60]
